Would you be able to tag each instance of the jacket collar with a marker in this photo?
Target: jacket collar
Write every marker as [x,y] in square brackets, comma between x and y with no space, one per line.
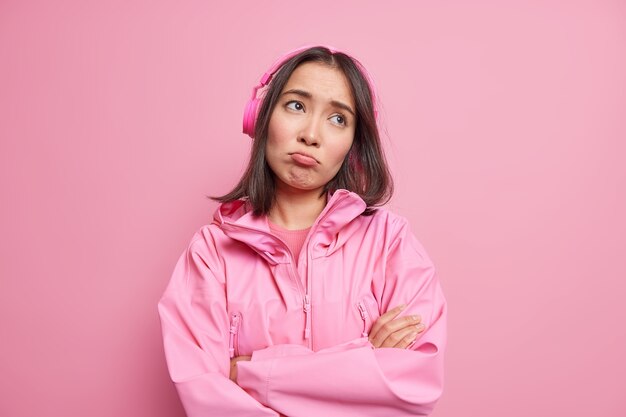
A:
[329,232]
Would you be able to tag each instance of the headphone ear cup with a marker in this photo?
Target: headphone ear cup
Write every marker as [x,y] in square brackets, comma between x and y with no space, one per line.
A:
[249,117]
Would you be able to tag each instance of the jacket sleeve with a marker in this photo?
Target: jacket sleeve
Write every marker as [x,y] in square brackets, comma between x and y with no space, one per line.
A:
[195,330]
[356,379]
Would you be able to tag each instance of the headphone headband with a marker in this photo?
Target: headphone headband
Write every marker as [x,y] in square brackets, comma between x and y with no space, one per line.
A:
[254,103]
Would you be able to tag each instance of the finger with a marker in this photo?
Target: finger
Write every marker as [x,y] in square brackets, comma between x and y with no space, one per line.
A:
[411,337]
[399,336]
[384,318]
[233,370]
[236,359]
[378,336]
[393,326]
[396,337]
[233,366]
[408,338]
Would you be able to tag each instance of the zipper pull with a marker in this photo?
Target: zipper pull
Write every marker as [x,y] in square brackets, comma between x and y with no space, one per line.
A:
[363,312]
[234,327]
[307,309]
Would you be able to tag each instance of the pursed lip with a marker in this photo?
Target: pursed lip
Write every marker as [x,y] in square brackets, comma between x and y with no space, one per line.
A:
[305,154]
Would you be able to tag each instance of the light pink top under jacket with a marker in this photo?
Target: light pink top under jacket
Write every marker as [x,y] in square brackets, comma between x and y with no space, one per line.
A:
[236,291]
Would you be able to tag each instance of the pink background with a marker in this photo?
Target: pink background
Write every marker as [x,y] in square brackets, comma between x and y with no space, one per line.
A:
[506,130]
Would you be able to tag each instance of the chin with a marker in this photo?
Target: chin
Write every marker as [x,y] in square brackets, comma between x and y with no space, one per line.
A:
[308,186]
[305,187]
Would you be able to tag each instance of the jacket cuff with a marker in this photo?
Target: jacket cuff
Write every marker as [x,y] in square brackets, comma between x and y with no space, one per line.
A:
[254,378]
[279,351]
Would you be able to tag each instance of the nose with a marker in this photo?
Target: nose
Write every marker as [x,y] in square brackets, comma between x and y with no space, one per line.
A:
[310,132]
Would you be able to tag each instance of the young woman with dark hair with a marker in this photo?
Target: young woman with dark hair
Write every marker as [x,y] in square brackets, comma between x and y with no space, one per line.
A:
[365,171]
[284,303]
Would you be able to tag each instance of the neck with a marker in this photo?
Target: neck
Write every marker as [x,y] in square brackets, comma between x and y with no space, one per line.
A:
[296,209]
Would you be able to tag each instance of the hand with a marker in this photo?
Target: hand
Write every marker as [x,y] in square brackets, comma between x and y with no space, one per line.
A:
[233,366]
[398,333]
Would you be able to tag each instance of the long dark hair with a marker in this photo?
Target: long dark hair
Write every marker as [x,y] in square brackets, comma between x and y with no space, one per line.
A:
[364,170]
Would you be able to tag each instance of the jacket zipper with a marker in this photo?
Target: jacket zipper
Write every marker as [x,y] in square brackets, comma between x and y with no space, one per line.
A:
[304,293]
[233,344]
[364,317]
[306,299]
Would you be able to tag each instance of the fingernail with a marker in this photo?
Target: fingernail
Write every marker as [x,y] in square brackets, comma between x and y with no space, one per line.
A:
[416,318]
[419,327]
[401,307]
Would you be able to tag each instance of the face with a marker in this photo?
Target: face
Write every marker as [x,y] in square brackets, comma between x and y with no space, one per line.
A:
[311,128]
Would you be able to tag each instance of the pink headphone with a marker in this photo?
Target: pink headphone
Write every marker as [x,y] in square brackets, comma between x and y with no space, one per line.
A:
[254,103]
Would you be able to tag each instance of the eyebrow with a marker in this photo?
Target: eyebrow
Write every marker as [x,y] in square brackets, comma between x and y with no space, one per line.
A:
[306,94]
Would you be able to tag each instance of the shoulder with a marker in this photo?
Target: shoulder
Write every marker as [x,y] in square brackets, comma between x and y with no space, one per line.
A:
[399,232]
[393,222]
[383,226]
[204,246]
[204,237]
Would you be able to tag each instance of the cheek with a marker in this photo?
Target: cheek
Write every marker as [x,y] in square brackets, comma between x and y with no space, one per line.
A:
[276,138]
[272,125]
[272,140]
[277,130]
[338,153]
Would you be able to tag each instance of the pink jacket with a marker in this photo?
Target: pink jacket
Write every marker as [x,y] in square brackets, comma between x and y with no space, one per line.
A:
[237,291]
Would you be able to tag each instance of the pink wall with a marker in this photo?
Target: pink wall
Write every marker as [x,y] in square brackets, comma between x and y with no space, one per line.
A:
[507,127]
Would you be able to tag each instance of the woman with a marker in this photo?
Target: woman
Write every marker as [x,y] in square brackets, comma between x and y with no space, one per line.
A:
[303,297]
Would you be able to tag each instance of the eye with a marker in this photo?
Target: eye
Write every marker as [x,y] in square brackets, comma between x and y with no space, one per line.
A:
[295,105]
[339,119]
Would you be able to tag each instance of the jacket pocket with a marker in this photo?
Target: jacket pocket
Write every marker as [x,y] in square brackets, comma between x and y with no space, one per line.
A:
[233,344]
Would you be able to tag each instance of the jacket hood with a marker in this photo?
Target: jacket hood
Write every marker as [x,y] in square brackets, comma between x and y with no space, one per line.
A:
[328,233]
